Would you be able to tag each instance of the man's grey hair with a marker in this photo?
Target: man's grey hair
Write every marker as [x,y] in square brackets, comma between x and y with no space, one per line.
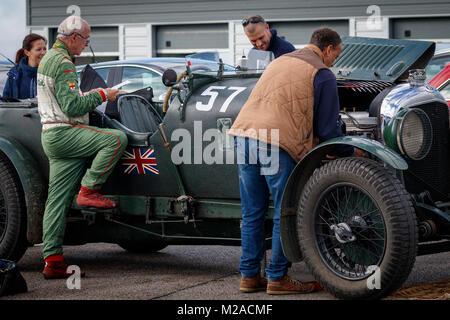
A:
[70,25]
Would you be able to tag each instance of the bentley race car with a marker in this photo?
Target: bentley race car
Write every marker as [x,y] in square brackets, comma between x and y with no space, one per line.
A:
[358,223]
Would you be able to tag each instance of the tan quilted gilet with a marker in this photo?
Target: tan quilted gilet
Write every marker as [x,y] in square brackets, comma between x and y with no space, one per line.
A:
[283,99]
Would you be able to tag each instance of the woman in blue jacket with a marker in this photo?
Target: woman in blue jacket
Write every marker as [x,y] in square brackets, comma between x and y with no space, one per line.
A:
[21,82]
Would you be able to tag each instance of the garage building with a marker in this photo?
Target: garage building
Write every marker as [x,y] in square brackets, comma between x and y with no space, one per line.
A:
[143,29]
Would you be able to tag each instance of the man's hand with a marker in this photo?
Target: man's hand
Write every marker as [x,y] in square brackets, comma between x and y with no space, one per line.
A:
[112,94]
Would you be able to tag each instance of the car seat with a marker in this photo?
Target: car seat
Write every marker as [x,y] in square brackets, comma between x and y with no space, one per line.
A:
[137,114]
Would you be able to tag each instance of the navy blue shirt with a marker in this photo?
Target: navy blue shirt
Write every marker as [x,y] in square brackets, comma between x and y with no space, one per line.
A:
[326,110]
[21,82]
[278,45]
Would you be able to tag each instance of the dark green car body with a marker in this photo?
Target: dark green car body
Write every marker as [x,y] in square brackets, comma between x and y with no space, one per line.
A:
[192,195]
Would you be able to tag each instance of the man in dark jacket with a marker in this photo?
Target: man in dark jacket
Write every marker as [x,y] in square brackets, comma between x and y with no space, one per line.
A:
[263,38]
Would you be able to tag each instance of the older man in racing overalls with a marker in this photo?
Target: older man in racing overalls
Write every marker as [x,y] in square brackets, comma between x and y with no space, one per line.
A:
[68,140]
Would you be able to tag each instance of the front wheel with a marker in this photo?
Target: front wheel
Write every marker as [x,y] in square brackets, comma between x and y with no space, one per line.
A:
[357,229]
[13,214]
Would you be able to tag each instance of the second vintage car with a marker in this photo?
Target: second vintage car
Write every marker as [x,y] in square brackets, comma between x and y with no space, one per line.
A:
[143,73]
[442,82]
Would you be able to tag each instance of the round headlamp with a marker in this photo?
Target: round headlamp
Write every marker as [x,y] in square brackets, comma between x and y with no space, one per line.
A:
[415,134]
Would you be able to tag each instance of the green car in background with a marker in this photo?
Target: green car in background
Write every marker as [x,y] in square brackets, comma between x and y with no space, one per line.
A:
[358,223]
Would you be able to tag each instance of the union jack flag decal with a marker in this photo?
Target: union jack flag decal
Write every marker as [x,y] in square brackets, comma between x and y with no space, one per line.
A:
[139,161]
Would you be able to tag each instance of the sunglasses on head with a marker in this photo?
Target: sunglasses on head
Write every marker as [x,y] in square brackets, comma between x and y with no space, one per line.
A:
[246,21]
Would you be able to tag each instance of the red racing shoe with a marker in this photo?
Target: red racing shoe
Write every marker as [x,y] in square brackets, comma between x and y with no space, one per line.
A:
[91,198]
[56,268]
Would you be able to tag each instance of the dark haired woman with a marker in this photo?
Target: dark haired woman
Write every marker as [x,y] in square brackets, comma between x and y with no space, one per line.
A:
[21,82]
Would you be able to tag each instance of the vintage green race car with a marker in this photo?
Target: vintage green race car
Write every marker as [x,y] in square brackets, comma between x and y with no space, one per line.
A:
[358,223]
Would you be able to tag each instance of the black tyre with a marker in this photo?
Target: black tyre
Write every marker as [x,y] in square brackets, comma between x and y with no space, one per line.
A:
[142,247]
[357,229]
[13,215]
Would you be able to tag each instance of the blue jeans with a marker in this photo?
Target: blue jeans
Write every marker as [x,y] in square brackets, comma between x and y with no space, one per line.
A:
[263,170]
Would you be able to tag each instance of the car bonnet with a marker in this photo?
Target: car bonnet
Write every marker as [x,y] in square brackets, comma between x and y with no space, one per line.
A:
[381,59]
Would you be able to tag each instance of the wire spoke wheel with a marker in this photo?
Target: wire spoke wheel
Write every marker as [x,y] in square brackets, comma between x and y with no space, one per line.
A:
[350,231]
[355,220]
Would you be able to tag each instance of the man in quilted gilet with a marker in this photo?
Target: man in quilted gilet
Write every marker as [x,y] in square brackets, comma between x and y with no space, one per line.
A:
[68,140]
[293,107]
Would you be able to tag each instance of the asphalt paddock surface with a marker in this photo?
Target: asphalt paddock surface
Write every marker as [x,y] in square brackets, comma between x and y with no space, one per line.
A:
[174,273]
[435,290]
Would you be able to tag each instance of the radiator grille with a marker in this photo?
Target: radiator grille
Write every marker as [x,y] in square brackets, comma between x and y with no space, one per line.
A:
[432,172]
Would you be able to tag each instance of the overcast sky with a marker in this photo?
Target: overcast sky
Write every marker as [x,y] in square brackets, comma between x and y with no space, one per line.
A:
[12,27]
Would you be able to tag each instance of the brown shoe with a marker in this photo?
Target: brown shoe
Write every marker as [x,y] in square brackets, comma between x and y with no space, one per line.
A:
[253,284]
[287,285]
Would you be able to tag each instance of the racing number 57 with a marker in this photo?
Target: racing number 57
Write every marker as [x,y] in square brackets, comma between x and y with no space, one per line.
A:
[213,95]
